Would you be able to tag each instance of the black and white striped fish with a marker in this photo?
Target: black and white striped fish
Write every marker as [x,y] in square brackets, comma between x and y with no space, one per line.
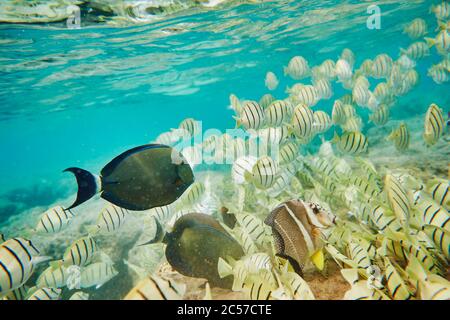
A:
[97,274]
[190,126]
[400,136]
[251,117]
[52,278]
[431,212]
[439,191]
[54,220]
[302,122]
[277,113]
[351,142]
[380,116]
[264,173]
[80,253]
[110,219]
[382,66]
[156,288]
[434,124]
[266,100]
[18,257]
[288,152]
[321,122]
[46,294]
[397,198]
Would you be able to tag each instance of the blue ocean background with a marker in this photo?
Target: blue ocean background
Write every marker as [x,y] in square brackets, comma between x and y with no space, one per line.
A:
[79,97]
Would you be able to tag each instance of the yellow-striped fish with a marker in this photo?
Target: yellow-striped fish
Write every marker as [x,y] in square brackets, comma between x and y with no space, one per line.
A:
[439,190]
[156,288]
[400,137]
[193,194]
[264,173]
[46,294]
[302,122]
[380,116]
[288,152]
[17,294]
[440,237]
[295,287]
[382,66]
[253,226]
[431,212]
[321,122]
[52,278]
[397,198]
[434,124]
[80,253]
[79,295]
[18,257]
[251,117]
[398,289]
[351,142]
[297,68]
[266,100]
[359,255]
[190,126]
[97,274]
[110,219]
[256,287]
[54,220]
[276,113]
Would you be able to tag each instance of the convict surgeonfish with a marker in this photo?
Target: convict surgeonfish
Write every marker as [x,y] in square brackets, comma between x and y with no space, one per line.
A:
[400,137]
[297,68]
[263,173]
[397,198]
[79,295]
[80,253]
[441,11]
[195,245]
[141,178]
[97,274]
[441,42]
[110,219]
[351,142]
[52,278]
[54,220]
[18,259]
[251,117]
[302,122]
[380,116]
[321,122]
[46,294]
[296,228]
[439,191]
[416,28]
[271,81]
[266,100]
[417,50]
[155,287]
[190,127]
[277,113]
[434,125]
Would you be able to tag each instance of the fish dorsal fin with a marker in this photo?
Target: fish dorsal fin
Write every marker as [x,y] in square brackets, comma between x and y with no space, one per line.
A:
[109,168]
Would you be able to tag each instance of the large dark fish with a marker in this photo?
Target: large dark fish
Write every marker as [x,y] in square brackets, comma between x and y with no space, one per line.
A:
[141,178]
[195,245]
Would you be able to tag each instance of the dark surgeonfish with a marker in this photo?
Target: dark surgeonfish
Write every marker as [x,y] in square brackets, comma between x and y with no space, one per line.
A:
[141,178]
[194,247]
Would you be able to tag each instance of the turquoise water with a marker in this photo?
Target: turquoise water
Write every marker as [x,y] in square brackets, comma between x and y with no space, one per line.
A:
[81,96]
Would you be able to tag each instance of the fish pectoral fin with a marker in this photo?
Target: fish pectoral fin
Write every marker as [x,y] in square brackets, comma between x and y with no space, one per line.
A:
[318,259]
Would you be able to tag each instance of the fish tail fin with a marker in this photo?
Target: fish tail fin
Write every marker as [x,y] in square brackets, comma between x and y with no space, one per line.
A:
[88,185]
[238,121]
[208,295]
[318,259]
[335,138]
[430,41]
[41,259]
[92,229]
[224,268]
[55,264]
[159,234]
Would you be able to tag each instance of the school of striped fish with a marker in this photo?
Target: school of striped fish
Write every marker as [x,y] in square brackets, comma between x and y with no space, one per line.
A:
[294,211]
